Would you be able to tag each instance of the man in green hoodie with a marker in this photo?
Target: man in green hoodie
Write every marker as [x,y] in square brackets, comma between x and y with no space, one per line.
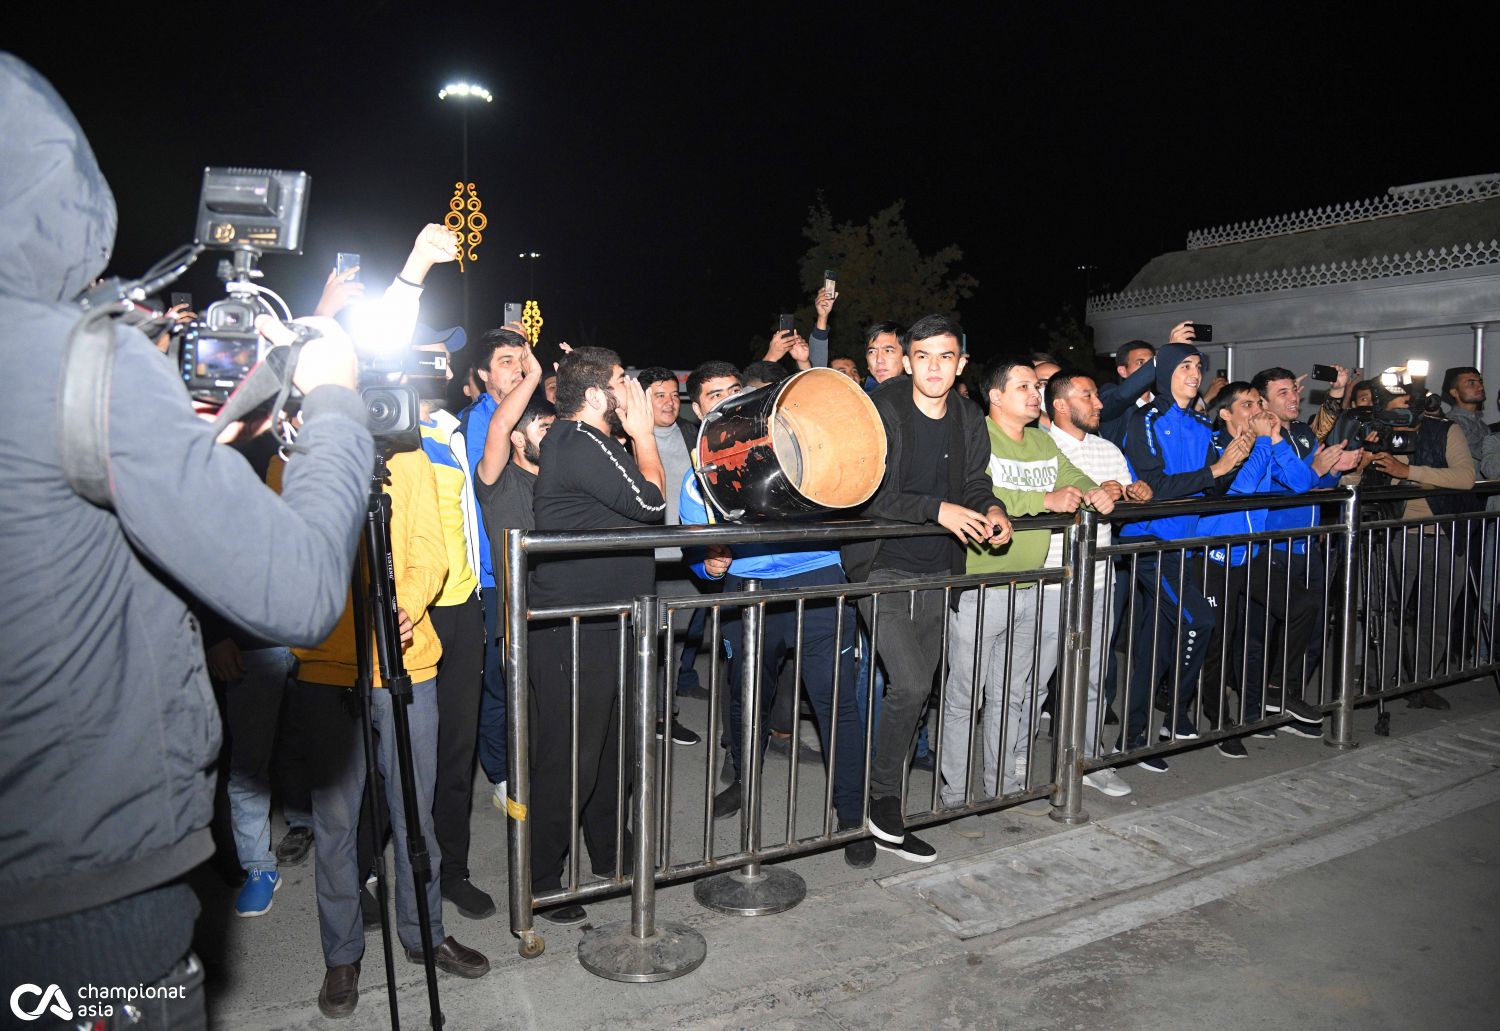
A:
[1030,476]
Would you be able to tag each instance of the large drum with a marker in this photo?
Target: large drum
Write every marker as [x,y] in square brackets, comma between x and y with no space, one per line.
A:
[807,445]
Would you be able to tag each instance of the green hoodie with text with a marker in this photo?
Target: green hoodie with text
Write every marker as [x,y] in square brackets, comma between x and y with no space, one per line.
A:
[1023,473]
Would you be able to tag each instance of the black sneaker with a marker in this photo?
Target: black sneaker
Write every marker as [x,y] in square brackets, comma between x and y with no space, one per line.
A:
[885,821]
[1154,764]
[912,848]
[469,900]
[570,915]
[1265,732]
[1184,730]
[858,854]
[1294,706]
[680,735]
[728,802]
[1233,748]
[1302,729]
[293,848]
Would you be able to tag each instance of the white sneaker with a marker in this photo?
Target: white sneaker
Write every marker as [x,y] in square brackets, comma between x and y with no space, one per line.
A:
[1107,781]
[498,798]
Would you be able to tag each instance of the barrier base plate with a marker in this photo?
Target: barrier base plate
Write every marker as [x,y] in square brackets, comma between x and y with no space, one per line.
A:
[614,952]
[770,890]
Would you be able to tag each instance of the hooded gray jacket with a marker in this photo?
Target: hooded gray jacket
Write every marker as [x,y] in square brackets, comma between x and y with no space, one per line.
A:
[108,725]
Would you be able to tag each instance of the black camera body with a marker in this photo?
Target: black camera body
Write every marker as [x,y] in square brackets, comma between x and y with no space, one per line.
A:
[1393,432]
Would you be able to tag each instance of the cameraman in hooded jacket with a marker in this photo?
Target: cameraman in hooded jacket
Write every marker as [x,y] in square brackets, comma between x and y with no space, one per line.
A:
[109,729]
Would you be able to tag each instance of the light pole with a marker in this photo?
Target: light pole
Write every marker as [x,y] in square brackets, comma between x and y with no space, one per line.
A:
[530,257]
[463,93]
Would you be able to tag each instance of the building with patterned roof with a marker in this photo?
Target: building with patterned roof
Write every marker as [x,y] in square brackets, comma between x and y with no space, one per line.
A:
[1412,274]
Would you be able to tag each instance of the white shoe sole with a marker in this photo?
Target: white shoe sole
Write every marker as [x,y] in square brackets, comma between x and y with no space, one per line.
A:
[1118,789]
[895,850]
[269,902]
[884,836]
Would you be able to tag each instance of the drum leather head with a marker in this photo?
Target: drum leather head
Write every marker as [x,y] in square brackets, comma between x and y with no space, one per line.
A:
[829,439]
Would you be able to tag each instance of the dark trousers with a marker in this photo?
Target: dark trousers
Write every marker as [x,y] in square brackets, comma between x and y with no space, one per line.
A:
[550,671]
[494,748]
[909,644]
[1268,660]
[824,649]
[460,628]
[1264,584]
[1178,650]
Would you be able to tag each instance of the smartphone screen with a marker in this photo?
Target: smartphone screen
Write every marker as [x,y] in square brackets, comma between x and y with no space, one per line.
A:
[347,261]
[830,282]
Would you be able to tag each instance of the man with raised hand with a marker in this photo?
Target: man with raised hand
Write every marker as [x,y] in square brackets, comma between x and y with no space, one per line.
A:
[588,481]
[1030,476]
[1169,444]
[499,358]
[937,474]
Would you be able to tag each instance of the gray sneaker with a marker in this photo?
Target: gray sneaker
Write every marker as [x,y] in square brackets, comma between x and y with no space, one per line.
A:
[1107,781]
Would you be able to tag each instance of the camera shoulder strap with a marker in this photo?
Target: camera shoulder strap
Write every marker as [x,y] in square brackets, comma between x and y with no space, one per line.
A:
[83,406]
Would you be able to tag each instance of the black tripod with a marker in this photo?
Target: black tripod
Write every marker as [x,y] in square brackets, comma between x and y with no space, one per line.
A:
[374,589]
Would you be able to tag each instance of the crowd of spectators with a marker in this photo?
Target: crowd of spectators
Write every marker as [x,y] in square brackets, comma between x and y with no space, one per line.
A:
[586,445]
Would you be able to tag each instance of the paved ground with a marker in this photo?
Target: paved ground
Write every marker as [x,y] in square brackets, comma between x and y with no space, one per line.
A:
[1376,906]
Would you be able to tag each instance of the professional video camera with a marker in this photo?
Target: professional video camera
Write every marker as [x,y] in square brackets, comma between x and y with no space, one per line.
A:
[1390,430]
[1393,432]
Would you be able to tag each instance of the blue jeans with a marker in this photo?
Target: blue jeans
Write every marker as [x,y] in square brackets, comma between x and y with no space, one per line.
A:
[494,740]
[823,651]
[252,706]
[338,789]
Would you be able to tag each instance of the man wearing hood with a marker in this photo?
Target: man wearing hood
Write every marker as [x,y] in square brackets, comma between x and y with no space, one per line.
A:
[1169,444]
[110,732]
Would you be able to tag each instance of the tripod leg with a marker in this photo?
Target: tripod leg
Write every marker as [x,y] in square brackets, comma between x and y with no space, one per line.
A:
[372,774]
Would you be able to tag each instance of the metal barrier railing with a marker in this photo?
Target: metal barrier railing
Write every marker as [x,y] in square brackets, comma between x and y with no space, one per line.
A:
[1327,568]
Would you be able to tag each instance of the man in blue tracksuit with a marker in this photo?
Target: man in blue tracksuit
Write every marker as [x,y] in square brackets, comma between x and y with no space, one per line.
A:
[1169,444]
[1236,571]
[1281,391]
[827,649]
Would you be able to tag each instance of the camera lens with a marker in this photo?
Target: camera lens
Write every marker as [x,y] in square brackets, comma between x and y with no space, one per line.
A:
[382,410]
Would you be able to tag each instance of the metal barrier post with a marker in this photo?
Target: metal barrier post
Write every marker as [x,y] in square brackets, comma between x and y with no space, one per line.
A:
[751,890]
[638,950]
[517,719]
[1341,728]
[1075,670]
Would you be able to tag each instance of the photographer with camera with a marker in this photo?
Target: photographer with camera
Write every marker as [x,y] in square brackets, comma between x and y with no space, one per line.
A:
[1420,569]
[110,733]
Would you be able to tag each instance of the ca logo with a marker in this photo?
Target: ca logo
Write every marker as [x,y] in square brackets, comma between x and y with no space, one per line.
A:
[60,1008]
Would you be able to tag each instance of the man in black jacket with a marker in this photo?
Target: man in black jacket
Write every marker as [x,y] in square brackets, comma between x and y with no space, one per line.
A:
[110,731]
[936,475]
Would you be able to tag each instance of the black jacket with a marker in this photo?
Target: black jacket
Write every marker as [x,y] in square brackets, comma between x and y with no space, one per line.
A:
[969,482]
[110,732]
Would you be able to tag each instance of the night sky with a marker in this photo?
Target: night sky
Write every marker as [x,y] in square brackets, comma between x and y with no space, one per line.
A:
[663,163]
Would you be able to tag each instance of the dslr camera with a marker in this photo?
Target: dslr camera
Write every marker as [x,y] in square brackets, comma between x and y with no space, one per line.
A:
[247,211]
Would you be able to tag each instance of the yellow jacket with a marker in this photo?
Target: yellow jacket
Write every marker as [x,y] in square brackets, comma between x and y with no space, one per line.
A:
[420,560]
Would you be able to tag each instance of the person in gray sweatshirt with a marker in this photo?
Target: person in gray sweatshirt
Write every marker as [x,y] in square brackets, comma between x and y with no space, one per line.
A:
[110,731]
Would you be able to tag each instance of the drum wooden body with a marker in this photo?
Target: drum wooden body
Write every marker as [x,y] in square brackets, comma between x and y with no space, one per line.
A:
[807,445]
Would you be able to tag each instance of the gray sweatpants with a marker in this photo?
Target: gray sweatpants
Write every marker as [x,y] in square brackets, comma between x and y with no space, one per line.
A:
[1017,654]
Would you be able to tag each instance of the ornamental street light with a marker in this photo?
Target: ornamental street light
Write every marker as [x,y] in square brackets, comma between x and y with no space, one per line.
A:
[464,94]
